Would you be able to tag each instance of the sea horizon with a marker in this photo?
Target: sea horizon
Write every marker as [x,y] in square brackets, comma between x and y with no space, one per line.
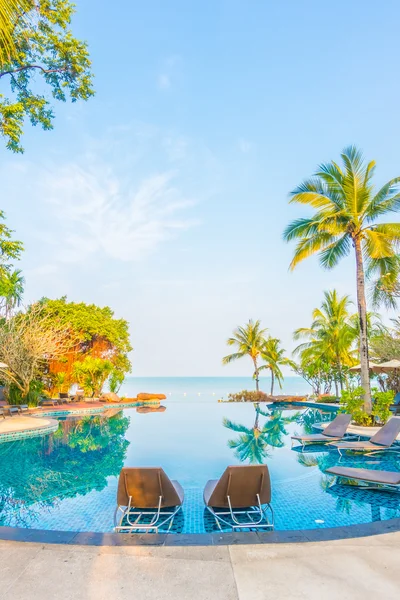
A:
[207,387]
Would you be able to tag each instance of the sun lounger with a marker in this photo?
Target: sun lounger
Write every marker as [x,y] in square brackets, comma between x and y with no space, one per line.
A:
[48,402]
[143,496]
[381,441]
[373,479]
[333,432]
[240,497]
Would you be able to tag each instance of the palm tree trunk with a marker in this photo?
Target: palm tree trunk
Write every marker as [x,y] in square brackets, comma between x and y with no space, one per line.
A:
[362,313]
[272,382]
[256,374]
[336,388]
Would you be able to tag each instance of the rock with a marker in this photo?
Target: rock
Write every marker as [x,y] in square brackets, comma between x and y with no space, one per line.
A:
[109,397]
[142,396]
[148,409]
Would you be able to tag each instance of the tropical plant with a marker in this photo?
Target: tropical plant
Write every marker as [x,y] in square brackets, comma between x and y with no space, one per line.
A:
[37,48]
[331,336]
[274,358]
[249,341]
[381,405]
[384,348]
[352,402]
[91,373]
[61,381]
[9,249]
[11,291]
[347,215]
[248,396]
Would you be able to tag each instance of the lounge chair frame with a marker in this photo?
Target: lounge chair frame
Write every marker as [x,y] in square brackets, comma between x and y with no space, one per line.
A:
[157,517]
[260,512]
[304,443]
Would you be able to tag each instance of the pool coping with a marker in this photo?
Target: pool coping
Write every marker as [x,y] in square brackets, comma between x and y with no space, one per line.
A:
[88,538]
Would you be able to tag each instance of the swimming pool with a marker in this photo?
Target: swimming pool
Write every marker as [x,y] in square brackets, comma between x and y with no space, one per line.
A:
[67,480]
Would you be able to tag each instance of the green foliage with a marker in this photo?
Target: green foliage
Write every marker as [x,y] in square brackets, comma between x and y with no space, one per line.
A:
[247,396]
[327,399]
[381,404]
[16,397]
[45,54]
[352,402]
[115,381]
[75,460]
[91,374]
[89,322]
[9,249]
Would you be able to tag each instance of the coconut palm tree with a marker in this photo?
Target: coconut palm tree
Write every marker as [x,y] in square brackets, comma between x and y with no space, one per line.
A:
[331,336]
[347,213]
[249,341]
[274,358]
[11,291]
[251,444]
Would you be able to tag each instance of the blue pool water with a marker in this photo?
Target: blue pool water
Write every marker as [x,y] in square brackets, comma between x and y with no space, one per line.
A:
[67,480]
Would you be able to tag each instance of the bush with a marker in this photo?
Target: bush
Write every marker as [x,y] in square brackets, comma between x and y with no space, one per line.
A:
[247,396]
[381,404]
[327,399]
[352,402]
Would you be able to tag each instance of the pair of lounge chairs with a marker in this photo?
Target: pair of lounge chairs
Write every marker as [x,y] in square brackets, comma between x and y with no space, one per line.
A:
[334,433]
[148,500]
[382,441]
[11,409]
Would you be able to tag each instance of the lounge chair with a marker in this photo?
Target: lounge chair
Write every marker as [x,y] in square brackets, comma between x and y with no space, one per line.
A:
[64,397]
[48,402]
[333,432]
[2,412]
[242,494]
[11,409]
[381,441]
[142,497]
[374,479]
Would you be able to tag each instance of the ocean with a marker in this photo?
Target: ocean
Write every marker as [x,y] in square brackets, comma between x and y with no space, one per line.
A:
[207,388]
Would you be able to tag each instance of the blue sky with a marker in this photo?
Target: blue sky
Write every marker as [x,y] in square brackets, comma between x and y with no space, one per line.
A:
[165,196]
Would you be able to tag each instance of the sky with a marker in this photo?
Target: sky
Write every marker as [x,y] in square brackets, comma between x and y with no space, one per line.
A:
[165,196]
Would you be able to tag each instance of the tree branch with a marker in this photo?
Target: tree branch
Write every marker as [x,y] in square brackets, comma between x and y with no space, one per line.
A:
[46,71]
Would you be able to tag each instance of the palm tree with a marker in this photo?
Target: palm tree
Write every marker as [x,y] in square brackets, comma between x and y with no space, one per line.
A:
[347,214]
[274,357]
[12,11]
[11,291]
[249,341]
[331,336]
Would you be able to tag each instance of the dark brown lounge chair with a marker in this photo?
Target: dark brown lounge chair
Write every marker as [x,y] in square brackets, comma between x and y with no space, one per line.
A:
[145,493]
[242,490]
[333,432]
[374,479]
[381,441]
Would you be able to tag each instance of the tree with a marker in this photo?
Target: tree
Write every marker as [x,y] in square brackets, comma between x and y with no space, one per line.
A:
[91,373]
[27,342]
[10,11]
[331,336]
[274,357]
[9,249]
[347,214]
[95,334]
[249,341]
[11,291]
[39,51]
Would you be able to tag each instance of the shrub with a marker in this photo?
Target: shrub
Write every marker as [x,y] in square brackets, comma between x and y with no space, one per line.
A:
[327,399]
[247,396]
[352,402]
[381,404]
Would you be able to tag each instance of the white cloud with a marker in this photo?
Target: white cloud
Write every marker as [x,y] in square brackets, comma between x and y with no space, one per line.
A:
[103,215]
[169,70]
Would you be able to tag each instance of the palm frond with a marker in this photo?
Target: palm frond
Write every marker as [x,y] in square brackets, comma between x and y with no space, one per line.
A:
[332,255]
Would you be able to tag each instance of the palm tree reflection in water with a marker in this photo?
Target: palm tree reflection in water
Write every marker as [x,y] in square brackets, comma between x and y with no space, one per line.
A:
[254,442]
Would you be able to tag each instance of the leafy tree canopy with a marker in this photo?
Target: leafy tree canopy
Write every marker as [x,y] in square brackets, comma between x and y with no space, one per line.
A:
[88,322]
[10,249]
[39,54]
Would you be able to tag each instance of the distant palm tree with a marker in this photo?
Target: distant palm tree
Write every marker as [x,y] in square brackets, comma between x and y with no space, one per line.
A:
[347,215]
[249,341]
[11,291]
[274,358]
